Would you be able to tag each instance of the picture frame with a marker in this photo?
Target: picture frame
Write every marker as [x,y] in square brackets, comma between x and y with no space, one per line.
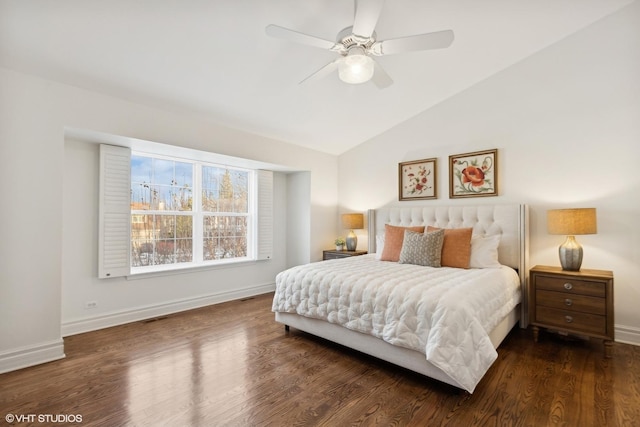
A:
[473,174]
[418,180]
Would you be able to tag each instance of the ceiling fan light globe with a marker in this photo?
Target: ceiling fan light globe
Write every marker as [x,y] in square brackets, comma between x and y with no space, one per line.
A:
[356,67]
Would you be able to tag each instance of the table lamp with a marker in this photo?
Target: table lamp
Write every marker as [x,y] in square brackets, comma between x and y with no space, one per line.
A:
[571,222]
[352,221]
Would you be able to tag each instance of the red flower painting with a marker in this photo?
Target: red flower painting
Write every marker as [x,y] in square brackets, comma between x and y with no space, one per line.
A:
[417,180]
[473,174]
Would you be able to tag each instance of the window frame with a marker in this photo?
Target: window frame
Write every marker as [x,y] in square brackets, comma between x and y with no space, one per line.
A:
[198,214]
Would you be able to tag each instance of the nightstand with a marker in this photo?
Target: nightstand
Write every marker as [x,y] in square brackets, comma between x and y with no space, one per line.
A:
[578,302]
[333,254]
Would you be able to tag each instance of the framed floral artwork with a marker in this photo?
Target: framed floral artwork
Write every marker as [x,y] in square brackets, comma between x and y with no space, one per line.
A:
[473,174]
[417,180]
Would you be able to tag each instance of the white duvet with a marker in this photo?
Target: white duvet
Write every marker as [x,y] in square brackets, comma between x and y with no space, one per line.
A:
[445,313]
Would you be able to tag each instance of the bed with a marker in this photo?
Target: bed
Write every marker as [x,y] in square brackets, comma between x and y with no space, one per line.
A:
[436,321]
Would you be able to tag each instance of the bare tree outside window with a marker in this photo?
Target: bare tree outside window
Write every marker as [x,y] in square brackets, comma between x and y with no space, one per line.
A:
[224,194]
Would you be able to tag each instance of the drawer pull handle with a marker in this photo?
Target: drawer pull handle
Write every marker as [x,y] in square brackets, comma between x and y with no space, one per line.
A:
[568,302]
[568,319]
[568,286]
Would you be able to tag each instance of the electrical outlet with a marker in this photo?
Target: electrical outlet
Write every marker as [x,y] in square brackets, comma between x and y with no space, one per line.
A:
[90,304]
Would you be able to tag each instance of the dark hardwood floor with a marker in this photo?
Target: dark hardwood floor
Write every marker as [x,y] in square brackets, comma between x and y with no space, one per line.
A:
[232,365]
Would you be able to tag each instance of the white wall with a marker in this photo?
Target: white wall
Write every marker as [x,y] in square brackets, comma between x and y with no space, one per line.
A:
[45,228]
[298,185]
[566,122]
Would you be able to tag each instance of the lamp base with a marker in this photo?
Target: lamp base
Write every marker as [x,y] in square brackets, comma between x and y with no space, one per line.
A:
[570,254]
[352,241]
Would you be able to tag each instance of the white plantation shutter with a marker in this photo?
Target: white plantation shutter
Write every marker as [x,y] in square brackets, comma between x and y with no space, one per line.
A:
[114,236]
[265,214]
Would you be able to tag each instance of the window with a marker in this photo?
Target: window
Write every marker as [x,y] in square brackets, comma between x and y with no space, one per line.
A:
[189,213]
[163,212]
[225,207]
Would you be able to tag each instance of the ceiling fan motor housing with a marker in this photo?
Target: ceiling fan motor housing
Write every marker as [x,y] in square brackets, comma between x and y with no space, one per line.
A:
[346,40]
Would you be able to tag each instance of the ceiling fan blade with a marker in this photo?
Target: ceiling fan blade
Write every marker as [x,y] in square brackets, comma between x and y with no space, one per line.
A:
[437,40]
[367,13]
[380,77]
[323,72]
[295,36]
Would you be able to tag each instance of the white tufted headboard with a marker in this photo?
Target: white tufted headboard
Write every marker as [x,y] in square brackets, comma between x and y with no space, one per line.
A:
[510,221]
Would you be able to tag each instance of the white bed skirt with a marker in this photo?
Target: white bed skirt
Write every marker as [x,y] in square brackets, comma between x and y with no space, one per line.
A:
[409,359]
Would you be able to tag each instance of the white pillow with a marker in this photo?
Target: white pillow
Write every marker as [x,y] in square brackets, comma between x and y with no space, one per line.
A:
[379,246]
[484,252]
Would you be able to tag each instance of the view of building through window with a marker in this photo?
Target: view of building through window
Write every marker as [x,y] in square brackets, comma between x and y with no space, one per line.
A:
[187,212]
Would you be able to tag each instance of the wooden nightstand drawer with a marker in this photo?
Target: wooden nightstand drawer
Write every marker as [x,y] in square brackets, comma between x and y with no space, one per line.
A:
[575,321]
[571,285]
[567,301]
[578,302]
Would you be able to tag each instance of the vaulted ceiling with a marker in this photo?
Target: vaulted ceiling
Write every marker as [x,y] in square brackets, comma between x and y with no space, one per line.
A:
[212,57]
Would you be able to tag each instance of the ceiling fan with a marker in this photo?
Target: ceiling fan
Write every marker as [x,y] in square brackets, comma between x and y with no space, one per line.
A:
[358,43]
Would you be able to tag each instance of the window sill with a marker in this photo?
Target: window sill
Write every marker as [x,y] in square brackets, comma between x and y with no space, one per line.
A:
[190,268]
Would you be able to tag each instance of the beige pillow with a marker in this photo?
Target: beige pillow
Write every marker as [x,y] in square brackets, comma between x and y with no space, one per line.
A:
[393,238]
[456,249]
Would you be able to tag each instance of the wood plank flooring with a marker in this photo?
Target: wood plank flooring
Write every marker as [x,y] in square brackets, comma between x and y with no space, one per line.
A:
[232,365]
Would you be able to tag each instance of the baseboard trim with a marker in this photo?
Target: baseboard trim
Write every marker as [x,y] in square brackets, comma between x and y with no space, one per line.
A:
[33,355]
[628,335]
[80,326]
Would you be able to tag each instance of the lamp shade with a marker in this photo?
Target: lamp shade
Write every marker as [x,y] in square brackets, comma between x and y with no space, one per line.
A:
[356,67]
[572,222]
[353,221]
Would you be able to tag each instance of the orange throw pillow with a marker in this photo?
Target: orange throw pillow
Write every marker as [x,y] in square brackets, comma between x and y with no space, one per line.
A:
[456,249]
[393,238]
